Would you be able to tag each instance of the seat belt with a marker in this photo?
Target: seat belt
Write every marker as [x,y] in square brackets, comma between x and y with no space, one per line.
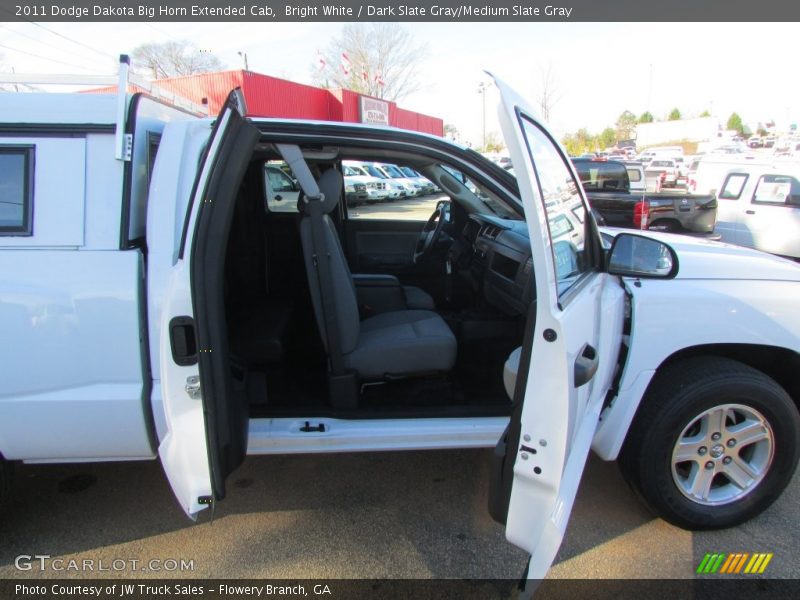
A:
[321,254]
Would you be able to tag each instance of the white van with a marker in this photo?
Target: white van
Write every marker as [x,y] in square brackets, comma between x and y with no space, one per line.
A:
[707,172]
[759,207]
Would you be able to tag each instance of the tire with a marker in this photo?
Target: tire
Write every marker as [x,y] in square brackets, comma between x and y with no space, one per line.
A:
[720,388]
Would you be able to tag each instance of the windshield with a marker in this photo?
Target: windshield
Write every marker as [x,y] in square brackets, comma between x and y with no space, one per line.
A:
[662,163]
[489,199]
[350,172]
[409,172]
[393,171]
[371,170]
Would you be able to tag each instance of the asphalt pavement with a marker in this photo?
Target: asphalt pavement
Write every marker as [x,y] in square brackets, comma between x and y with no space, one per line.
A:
[379,515]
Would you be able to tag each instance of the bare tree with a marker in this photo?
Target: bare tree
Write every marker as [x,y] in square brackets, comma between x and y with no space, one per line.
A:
[173,59]
[549,94]
[451,132]
[376,59]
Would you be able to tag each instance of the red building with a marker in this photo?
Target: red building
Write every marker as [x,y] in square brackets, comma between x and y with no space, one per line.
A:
[272,97]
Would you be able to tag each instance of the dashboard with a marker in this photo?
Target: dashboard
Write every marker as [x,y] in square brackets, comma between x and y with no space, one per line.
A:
[501,260]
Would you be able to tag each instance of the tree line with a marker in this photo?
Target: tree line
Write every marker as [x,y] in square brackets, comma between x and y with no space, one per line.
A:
[583,141]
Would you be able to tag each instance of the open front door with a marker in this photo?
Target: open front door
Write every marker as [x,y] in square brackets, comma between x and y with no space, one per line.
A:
[570,351]
[206,417]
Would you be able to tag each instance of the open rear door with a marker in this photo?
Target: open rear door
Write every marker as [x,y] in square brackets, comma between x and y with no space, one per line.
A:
[206,417]
[570,351]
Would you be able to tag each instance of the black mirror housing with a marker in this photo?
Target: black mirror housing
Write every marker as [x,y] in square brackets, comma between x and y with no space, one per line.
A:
[640,256]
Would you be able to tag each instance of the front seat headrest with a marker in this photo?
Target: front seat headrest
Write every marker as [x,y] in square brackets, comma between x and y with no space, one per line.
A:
[330,185]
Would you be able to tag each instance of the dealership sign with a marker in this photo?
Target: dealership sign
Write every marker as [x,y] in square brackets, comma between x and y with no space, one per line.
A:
[374,111]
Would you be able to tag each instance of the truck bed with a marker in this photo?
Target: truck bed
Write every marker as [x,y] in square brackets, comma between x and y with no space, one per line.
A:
[682,213]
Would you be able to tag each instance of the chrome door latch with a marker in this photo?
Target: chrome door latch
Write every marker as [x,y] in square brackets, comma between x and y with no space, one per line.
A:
[193,387]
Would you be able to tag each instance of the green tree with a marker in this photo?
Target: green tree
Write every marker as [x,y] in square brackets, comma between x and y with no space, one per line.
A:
[494,143]
[705,113]
[579,142]
[674,115]
[646,117]
[735,122]
[625,125]
[608,137]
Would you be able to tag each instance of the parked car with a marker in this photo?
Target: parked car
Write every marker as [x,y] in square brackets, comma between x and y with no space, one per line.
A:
[168,312]
[755,141]
[411,186]
[427,186]
[608,188]
[362,188]
[281,189]
[759,207]
[665,170]
[769,141]
[637,183]
[395,189]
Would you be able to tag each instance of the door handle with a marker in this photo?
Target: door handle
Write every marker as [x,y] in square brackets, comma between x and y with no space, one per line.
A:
[585,365]
[183,341]
[749,212]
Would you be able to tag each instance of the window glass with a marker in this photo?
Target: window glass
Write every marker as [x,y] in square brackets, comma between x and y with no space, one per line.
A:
[491,201]
[732,188]
[383,192]
[599,175]
[776,189]
[393,171]
[561,198]
[282,190]
[16,191]
[634,175]
[153,141]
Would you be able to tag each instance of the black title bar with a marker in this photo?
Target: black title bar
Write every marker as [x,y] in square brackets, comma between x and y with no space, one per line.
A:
[407,11]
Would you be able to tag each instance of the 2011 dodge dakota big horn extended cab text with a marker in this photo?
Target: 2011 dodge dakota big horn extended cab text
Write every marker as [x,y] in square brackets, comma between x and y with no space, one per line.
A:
[184,318]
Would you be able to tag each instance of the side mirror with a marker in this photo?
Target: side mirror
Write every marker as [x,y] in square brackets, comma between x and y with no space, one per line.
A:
[638,256]
[295,186]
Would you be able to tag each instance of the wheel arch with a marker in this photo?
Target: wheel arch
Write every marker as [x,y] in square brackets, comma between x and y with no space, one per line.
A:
[781,364]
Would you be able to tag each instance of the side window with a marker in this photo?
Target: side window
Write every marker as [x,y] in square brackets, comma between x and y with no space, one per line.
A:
[733,186]
[561,198]
[783,190]
[282,191]
[153,141]
[16,190]
[634,175]
[387,192]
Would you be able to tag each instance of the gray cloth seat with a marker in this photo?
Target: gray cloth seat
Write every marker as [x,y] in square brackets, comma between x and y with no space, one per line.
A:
[417,298]
[398,343]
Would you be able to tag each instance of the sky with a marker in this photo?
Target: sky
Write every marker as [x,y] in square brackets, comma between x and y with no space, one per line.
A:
[598,69]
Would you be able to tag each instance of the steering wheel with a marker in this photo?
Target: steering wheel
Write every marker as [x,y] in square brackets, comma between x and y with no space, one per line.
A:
[431,233]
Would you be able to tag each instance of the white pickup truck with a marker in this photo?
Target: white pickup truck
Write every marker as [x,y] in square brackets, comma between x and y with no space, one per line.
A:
[152,304]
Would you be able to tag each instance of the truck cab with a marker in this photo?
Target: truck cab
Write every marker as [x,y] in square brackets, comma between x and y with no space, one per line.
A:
[177,314]
[759,207]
